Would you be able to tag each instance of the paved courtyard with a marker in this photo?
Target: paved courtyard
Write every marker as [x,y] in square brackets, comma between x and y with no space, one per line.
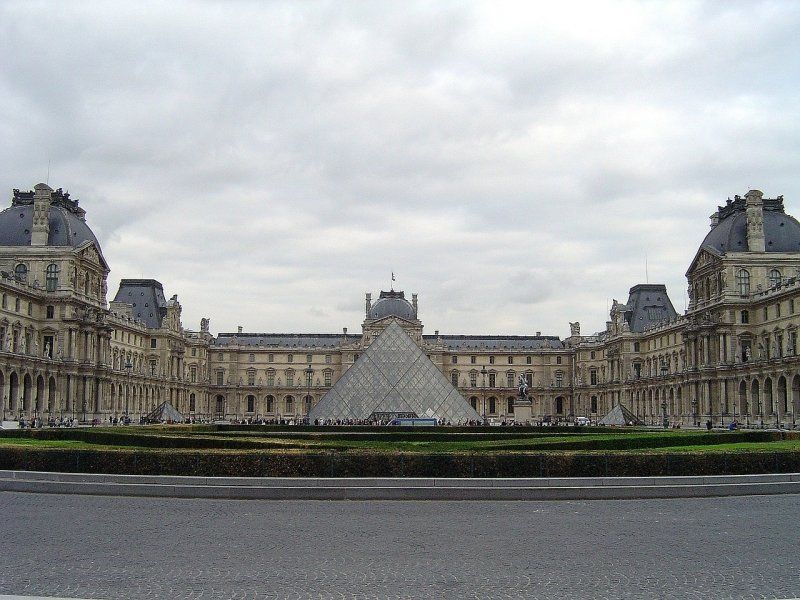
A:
[107,547]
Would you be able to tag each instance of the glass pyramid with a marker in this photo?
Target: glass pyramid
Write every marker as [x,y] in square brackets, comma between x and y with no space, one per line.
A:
[393,377]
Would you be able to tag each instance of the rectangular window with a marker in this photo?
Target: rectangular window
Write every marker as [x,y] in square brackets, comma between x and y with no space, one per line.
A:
[193,374]
[309,358]
[220,356]
[528,360]
[491,360]
[473,379]
[454,378]
[290,378]
[594,404]
[251,378]
[511,360]
[593,377]
[251,358]
[793,342]
[591,355]
[454,360]
[153,343]
[270,358]
[328,378]
[492,380]
[510,380]
[492,405]
[194,351]
[745,317]
[778,310]
[50,312]
[290,358]
[30,308]
[472,360]
[327,359]
[791,306]
[766,313]
[529,379]
[220,377]
[270,378]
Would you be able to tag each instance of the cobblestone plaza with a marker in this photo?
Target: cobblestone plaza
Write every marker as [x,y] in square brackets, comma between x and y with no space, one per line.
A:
[117,548]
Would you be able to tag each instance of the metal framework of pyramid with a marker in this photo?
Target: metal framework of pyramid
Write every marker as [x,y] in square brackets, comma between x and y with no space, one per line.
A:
[393,377]
[165,412]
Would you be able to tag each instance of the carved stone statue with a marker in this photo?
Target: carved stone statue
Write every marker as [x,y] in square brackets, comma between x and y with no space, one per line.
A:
[523,387]
[47,349]
[575,328]
[36,347]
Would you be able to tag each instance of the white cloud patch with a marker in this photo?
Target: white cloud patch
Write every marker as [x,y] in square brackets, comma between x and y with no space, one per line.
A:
[512,163]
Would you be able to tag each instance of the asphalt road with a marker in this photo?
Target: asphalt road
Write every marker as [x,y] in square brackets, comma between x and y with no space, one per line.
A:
[108,547]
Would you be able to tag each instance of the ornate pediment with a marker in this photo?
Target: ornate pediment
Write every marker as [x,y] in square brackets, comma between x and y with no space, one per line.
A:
[89,251]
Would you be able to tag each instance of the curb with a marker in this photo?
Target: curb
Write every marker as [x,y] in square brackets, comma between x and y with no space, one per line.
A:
[240,488]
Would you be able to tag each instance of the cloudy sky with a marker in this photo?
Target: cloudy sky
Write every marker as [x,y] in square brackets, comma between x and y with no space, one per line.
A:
[513,163]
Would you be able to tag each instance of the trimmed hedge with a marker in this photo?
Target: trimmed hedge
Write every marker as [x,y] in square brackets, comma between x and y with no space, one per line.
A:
[533,442]
[283,464]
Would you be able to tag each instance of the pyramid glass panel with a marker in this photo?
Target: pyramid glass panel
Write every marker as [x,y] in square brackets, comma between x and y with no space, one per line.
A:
[393,376]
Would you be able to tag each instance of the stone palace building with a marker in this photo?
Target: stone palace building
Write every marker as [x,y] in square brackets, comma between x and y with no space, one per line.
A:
[66,350]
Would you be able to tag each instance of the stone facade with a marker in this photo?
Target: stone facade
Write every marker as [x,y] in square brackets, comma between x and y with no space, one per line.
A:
[65,350]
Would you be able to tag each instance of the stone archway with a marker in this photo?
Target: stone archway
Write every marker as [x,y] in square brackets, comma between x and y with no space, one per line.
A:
[13,392]
[743,408]
[27,389]
[220,405]
[755,399]
[39,401]
[769,407]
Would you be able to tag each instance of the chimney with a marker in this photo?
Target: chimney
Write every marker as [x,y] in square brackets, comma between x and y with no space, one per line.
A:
[714,219]
[41,214]
[344,330]
[538,334]
[239,329]
[414,304]
[755,221]
[369,303]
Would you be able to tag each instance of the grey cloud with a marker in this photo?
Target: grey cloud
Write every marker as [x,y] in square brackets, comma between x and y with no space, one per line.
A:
[273,161]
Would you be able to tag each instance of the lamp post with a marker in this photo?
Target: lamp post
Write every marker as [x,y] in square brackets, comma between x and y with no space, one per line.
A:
[128,368]
[734,411]
[483,373]
[309,375]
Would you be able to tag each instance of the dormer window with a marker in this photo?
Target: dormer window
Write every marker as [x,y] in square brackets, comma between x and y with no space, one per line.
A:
[21,272]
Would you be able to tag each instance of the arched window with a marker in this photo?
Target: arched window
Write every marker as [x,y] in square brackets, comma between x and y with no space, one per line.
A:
[473,402]
[191,402]
[510,406]
[289,404]
[21,272]
[251,404]
[51,277]
[774,278]
[454,378]
[270,404]
[743,282]
[492,405]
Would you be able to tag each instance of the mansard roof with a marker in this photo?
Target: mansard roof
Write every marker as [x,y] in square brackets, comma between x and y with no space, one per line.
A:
[146,296]
[283,340]
[781,231]
[648,305]
[67,221]
[498,342]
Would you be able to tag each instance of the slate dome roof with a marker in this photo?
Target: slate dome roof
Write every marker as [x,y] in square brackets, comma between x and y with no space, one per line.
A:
[67,224]
[392,304]
[781,231]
